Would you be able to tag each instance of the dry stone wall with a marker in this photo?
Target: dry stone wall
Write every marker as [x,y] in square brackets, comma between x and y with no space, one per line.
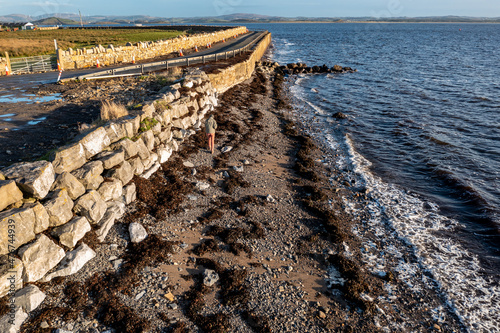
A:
[47,207]
[240,72]
[110,55]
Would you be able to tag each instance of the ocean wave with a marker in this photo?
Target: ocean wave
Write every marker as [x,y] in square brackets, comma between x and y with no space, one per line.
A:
[473,295]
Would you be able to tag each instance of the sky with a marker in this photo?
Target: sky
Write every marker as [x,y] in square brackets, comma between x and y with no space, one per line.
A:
[287,8]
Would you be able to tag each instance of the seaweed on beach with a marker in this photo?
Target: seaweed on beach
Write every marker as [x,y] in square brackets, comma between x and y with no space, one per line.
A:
[259,324]
[49,315]
[234,181]
[4,308]
[356,280]
[207,246]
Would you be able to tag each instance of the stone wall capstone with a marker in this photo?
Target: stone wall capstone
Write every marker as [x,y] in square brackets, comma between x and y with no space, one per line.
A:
[84,58]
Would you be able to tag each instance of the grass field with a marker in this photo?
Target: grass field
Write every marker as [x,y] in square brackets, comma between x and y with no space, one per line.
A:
[36,42]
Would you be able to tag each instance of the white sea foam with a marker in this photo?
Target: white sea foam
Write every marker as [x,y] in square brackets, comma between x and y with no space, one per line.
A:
[404,223]
[471,294]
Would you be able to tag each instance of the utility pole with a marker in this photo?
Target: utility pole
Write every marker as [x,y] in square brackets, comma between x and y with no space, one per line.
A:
[81,22]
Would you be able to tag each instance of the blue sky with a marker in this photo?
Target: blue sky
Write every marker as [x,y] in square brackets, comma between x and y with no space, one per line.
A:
[290,8]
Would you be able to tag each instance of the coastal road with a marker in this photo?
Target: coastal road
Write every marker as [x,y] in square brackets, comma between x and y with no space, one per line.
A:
[12,87]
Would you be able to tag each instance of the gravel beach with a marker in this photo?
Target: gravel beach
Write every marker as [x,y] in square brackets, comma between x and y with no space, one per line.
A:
[254,238]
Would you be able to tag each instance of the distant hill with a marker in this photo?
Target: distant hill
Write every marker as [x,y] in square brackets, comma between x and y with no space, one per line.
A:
[55,21]
[74,18]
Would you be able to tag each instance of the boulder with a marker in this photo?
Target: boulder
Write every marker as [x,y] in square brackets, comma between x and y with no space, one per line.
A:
[111,190]
[33,178]
[16,228]
[94,142]
[337,68]
[11,274]
[59,208]
[164,154]
[137,166]
[90,175]
[129,193]
[69,158]
[339,115]
[148,173]
[122,128]
[110,159]
[142,150]
[69,182]
[11,323]
[92,206]
[149,139]
[39,257]
[70,233]
[137,232]
[72,262]
[115,210]
[9,193]
[123,172]
[42,219]
[210,277]
[29,298]
[148,162]
[129,148]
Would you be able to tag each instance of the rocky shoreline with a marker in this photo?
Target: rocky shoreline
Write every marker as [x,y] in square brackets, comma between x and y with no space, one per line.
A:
[252,239]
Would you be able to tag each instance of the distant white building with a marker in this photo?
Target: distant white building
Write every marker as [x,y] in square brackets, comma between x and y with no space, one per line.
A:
[29,26]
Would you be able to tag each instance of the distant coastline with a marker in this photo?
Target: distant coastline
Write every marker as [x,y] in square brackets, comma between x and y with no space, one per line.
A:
[64,18]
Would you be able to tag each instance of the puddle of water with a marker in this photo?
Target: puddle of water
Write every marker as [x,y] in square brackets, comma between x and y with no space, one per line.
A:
[28,98]
[36,121]
[7,115]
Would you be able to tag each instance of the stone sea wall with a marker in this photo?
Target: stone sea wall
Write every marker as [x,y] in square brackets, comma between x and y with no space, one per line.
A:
[84,58]
[228,77]
[47,207]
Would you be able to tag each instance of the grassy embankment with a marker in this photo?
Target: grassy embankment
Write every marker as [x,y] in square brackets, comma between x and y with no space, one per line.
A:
[36,42]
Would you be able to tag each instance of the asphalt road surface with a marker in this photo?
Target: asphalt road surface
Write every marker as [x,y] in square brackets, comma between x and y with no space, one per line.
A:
[12,87]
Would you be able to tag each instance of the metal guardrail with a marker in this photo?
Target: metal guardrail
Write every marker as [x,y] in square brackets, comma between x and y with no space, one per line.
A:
[34,64]
[166,64]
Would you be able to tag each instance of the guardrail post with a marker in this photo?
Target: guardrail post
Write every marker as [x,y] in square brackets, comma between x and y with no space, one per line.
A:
[167,64]
[187,61]
[226,55]
[203,58]
[234,53]
[142,69]
[216,57]
[113,72]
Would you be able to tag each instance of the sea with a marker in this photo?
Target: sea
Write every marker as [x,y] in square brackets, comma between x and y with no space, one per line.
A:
[422,138]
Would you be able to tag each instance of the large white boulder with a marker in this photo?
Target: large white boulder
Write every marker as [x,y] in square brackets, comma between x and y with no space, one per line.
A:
[69,158]
[39,257]
[16,228]
[70,233]
[116,209]
[137,232]
[11,322]
[91,205]
[90,175]
[69,182]
[33,178]
[11,274]
[111,190]
[94,142]
[9,193]
[59,208]
[29,298]
[72,262]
